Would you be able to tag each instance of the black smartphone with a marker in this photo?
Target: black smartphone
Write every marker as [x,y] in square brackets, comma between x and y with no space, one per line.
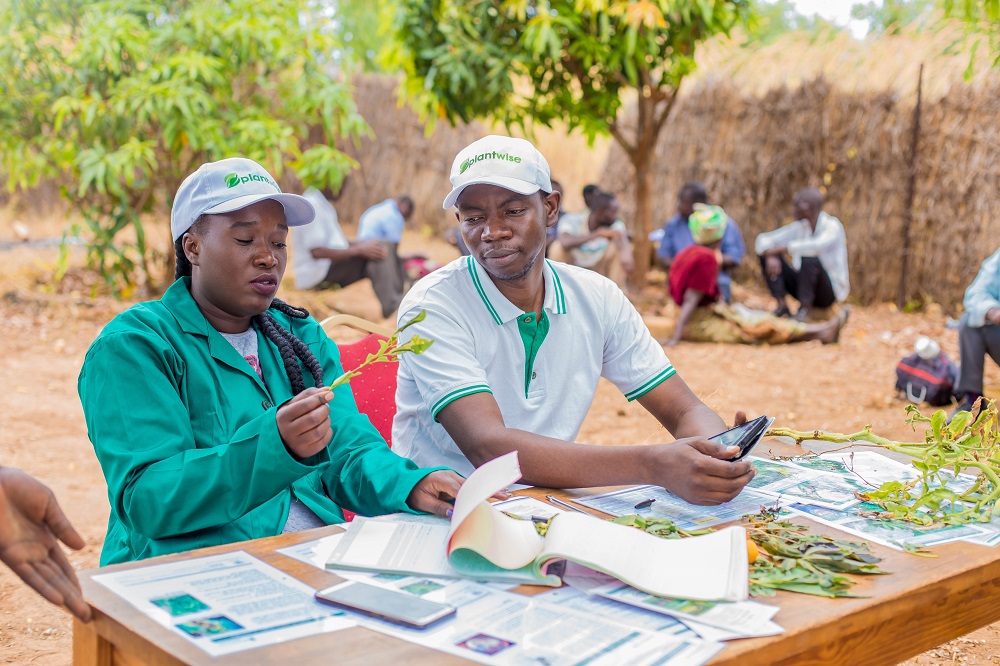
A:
[390,605]
[745,436]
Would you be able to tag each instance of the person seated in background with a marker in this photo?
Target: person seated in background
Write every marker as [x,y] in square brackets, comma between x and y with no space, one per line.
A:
[31,526]
[817,277]
[596,239]
[237,435]
[322,257]
[551,233]
[694,286]
[978,331]
[520,344]
[588,193]
[677,236]
[386,220]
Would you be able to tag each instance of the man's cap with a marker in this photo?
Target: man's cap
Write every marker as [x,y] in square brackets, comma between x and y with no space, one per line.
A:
[513,164]
[707,223]
[228,185]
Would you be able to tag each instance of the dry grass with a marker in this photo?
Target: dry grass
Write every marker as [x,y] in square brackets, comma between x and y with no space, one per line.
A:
[754,151]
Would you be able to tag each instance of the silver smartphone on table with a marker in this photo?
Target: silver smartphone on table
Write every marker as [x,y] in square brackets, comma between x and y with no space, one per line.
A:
[385,604]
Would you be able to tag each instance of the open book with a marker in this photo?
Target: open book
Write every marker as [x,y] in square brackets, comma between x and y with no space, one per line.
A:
[482,542]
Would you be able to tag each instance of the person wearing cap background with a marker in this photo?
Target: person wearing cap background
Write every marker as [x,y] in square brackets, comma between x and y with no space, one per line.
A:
[208,409]
[694,286]
[676,236]
[521,342]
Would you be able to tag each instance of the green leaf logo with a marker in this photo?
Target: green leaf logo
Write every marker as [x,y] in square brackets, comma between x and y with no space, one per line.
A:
[232,180]
[465,165]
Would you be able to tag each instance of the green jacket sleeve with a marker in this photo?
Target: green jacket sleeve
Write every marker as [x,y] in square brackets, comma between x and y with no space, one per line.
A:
[160,482]
[364,475]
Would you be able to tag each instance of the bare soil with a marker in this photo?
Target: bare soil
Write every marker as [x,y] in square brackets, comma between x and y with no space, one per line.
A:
[46,333]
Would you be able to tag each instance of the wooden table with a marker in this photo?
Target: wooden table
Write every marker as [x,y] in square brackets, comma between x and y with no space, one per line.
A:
[923,603]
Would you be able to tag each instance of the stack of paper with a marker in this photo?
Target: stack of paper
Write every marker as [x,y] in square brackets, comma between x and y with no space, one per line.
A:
[482,542]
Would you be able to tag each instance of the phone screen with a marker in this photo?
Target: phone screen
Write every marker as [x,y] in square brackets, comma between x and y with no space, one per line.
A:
[388,604]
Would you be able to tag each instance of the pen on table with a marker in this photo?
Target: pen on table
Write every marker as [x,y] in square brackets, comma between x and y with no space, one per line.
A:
[565,505]
[645,504]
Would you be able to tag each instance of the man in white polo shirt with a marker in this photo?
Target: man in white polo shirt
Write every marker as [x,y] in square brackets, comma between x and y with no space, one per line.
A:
[520,344]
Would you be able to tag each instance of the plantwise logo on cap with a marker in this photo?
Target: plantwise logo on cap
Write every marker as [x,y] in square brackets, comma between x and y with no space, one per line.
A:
[493,155]
[234,179]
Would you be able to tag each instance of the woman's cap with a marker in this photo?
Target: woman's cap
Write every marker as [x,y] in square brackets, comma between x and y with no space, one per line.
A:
[228,185]
[513,164]
[707,223]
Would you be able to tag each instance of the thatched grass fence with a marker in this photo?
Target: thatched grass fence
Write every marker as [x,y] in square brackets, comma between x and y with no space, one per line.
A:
[754,152]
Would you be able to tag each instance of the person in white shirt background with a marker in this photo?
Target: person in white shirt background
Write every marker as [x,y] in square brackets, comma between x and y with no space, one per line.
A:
[323,257]
[596,239]
[817,276]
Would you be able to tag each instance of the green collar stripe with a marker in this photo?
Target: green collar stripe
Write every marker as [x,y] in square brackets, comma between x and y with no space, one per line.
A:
[661,377]
[455,395]
[482,293]
[560,294]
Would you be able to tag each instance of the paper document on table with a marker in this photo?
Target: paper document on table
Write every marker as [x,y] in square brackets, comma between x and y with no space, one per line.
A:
[225,603]
[797,484]
[484,543]
[527,508]
[665,504]
[892,533]
[409,545]
[744,619]
[502,628]
[315,552]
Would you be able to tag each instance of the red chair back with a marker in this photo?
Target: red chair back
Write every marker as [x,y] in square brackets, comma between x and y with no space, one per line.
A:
[375,388]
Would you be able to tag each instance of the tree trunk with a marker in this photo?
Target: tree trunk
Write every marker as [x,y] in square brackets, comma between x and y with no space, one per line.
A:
[642,248]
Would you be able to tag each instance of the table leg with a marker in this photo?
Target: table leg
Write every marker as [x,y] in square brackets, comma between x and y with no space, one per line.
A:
[89,647]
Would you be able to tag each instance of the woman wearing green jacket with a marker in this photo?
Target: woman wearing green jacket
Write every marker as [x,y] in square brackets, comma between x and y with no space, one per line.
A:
[206,427]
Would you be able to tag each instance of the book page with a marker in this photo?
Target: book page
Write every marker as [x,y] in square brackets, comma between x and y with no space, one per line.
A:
[709,567]
[476,526]
[509,543]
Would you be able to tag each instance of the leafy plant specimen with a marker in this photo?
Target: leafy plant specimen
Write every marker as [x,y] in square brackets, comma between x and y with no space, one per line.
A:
[937,494]
[787,557]
[389,350]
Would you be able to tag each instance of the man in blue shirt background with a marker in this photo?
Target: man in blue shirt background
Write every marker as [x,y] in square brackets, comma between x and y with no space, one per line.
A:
[979,331]
[677,236]
[385,221]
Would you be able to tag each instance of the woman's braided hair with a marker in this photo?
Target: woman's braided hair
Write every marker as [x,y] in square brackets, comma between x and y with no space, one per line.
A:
[290,347]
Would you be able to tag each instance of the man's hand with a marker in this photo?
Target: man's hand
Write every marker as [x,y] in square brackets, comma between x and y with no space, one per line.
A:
[304,422]
[993,317]
[696,470]
[30,524]
[436,492]
[372,250]
[773,265]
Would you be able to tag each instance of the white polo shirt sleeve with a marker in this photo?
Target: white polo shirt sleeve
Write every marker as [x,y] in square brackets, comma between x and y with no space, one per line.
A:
[448,369]
[633,360]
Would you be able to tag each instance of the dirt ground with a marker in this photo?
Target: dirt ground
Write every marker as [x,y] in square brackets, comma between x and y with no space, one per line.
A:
[47,331]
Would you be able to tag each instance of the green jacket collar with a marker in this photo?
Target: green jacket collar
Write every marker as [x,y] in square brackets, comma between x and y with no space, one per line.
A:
[181,304]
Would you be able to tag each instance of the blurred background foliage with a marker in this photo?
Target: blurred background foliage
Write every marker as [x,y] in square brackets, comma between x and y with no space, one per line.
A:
[117,101]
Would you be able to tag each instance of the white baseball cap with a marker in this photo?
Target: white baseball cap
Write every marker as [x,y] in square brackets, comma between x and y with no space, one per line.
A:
[513,164]
[228,185]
